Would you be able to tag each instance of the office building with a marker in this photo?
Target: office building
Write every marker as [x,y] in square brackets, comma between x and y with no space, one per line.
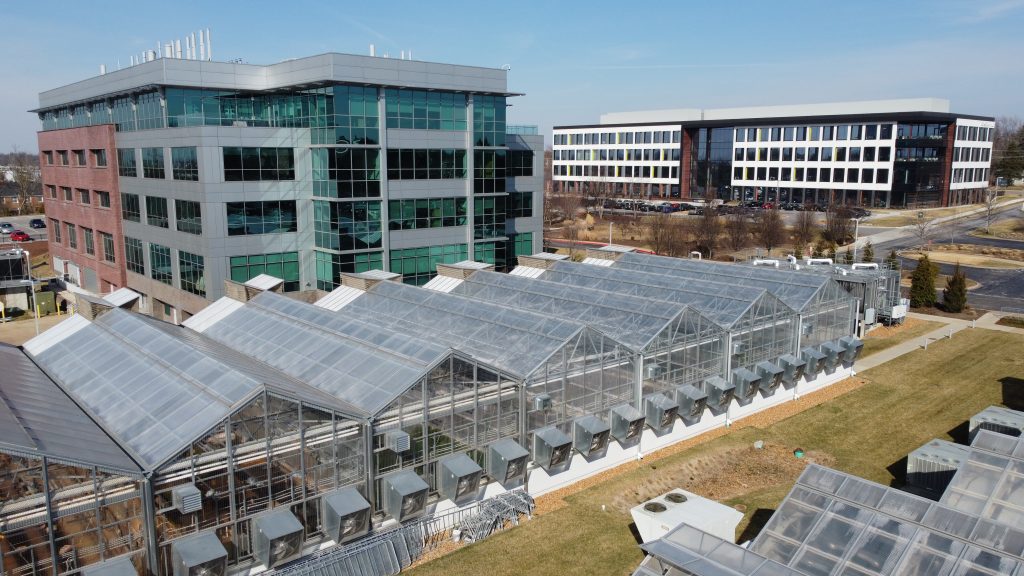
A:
[174,174]
[892,153]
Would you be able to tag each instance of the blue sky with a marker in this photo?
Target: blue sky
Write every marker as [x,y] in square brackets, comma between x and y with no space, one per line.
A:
[574,60]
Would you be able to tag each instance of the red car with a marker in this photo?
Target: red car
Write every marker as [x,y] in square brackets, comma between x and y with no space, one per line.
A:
[20,236]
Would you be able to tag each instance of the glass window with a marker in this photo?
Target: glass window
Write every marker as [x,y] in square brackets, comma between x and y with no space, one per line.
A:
[776,134]
[108,246]
[156,211]
[824,174]
[55,230]
[99,157]
[775,153]
[149,111]
[68,196]
[416,109]
[869,154]
[828,132]
[48,154]
[738,154]
[153,163]
[51,191]
[330,266]
[130,208]
[801,133]
[884,154]
[856,132]
[885,132]
[812,175]
[842,132]
[815,133]
[839,175]
[184,164]
[741,135]
[489,121]
[103,198]
[160,264]
[751,154]
[751,134]
[250,218]
[787,134]
[188,217]
[854,153]
[521,162]
[801,154]
[840,153]
[354,172]
[133,255]
[416,164]
[191,277]
[489,217]
[489,171]
[88,241]
[63,156]
[871,132]
[522,244]
[787,154]
[882,177]
[126,162]
[83,195]
[867,176]
[72,236]
[283,265]
[347,225]
[80,158]
[256,164]
[418,265]
[427,213]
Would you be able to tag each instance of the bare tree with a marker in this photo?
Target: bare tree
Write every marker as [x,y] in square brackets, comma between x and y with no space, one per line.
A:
[737,231]
[26,176]
[806,229]
[838,225]
[924,229]
[708,228]
[669,235]
[991,201]
[769,229]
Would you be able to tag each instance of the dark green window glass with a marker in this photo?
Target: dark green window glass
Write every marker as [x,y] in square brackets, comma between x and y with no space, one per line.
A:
[488,120]
[256,164]
[330,266]
[283,265]
[426,213]
[184,164]
[489,171]
[520,204]
[160,264]
[418,265]
[520,163]
[133,255]
[191,273]
[426,164]
[153,163]
[130,209]
[347,226]
[250,218]
[188,217]
[489,217]
[126,162]
[156,211]
[346,172]
[417,109]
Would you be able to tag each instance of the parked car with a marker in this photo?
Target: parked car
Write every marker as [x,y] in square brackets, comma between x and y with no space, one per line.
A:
[37,223]
[6,228]
[20,236]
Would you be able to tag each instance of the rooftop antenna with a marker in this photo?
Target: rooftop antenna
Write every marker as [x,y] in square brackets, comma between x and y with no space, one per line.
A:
[209,46]
[373,51]
[202,46]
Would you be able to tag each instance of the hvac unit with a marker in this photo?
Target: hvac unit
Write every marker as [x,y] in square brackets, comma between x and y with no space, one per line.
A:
[997,419]
[870,317]
[121,566]
[346,515]
[398,440]
[738,348]
[933,465]
[660,412]
[590,436]
[833,352]
[851,348]
[627,423]
[815,361]
[506,462]
[187,498]
[691,401]
[792,370]
[653,371]
[459,478]
[276,537]
[552,449]
[771,378]
[659,516]
[199,555]
[541,402]
[720,394]
[746,383]
[405,495]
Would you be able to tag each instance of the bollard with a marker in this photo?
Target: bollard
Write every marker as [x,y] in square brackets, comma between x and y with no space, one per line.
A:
[951,333]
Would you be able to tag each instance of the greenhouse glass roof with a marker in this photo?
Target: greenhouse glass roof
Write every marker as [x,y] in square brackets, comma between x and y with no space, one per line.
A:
[724,304]
[631,320]
[990,482]
[797,290]
[702,554]
[37,418]
[515,341]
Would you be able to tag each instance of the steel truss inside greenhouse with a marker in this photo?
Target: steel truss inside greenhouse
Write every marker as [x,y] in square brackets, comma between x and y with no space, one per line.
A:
[267,427]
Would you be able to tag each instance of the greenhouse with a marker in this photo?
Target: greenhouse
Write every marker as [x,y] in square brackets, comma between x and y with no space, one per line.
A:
[567,370]
[827,312]
[674,345]
[876,286]
[762,330]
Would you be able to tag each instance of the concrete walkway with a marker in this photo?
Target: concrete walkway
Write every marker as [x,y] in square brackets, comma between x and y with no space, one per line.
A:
[989,320]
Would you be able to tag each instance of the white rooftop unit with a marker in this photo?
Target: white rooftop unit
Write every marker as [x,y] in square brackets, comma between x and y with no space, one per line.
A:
[933,465]
[997,419]
[660,515]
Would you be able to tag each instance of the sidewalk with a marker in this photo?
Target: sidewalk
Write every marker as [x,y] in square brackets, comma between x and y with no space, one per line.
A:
[904,231]
[988,321]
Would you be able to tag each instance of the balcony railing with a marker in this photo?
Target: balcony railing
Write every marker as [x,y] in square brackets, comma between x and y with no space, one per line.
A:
[521,129]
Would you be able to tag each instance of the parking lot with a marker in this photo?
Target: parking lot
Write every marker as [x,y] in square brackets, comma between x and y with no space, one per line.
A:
[22,223]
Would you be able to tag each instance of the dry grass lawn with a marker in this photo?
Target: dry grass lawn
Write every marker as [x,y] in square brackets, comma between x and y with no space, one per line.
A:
[885,337]
[967,259]
[866,431]
[1009,229]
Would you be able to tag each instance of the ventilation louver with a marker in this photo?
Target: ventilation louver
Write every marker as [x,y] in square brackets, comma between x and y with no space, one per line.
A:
[199,555]
[691,401]
[627,423]
[398,440]
[590,436]
[851,348]
[541,402]
[997,419]
[746,383]
[346,515]
[771,378]
[506,462]
[815,361]
[121,566]
[276,537]
[405,495]
[653,371]
[720,394]
[933,465]
[660,412]
[458,478]
[187,499]
[792,370]
[552,449]
[833,352]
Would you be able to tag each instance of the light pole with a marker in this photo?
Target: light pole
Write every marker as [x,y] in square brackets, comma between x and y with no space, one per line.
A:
[31,288]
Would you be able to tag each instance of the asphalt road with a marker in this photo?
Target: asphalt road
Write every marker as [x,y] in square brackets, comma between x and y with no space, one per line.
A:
[21,223]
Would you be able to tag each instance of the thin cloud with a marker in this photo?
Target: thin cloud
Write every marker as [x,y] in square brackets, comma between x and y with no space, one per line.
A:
[986,12]
[673,66]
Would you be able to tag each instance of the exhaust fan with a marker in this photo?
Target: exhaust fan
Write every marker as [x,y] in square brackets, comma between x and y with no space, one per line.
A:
[660,412]
[852,347]
[458,478]
[277,537]
[771,378]
[346,515]
[552,449]
[832,351]
[815,361]
[627,423]
[199,555]
[720,394]
[541,402]
[398,441]
[792,370]
[405,495]
[590,436]
[691,401]
[187,499]
[506,462]
[746,383]
[121,566]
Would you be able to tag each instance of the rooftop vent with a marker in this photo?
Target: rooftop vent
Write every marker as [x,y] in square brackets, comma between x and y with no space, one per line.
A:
[187,499]
[627,423]
[552,449]
[720,394]
[462,270]
[398,440]
[369,279]
[199,555]
[277,537]
[346,515]
[691,401]
[660,413]
[590,436]
[541,402]
[506,462]
[542,260]
[405,495]
[458,478]
[792,370]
